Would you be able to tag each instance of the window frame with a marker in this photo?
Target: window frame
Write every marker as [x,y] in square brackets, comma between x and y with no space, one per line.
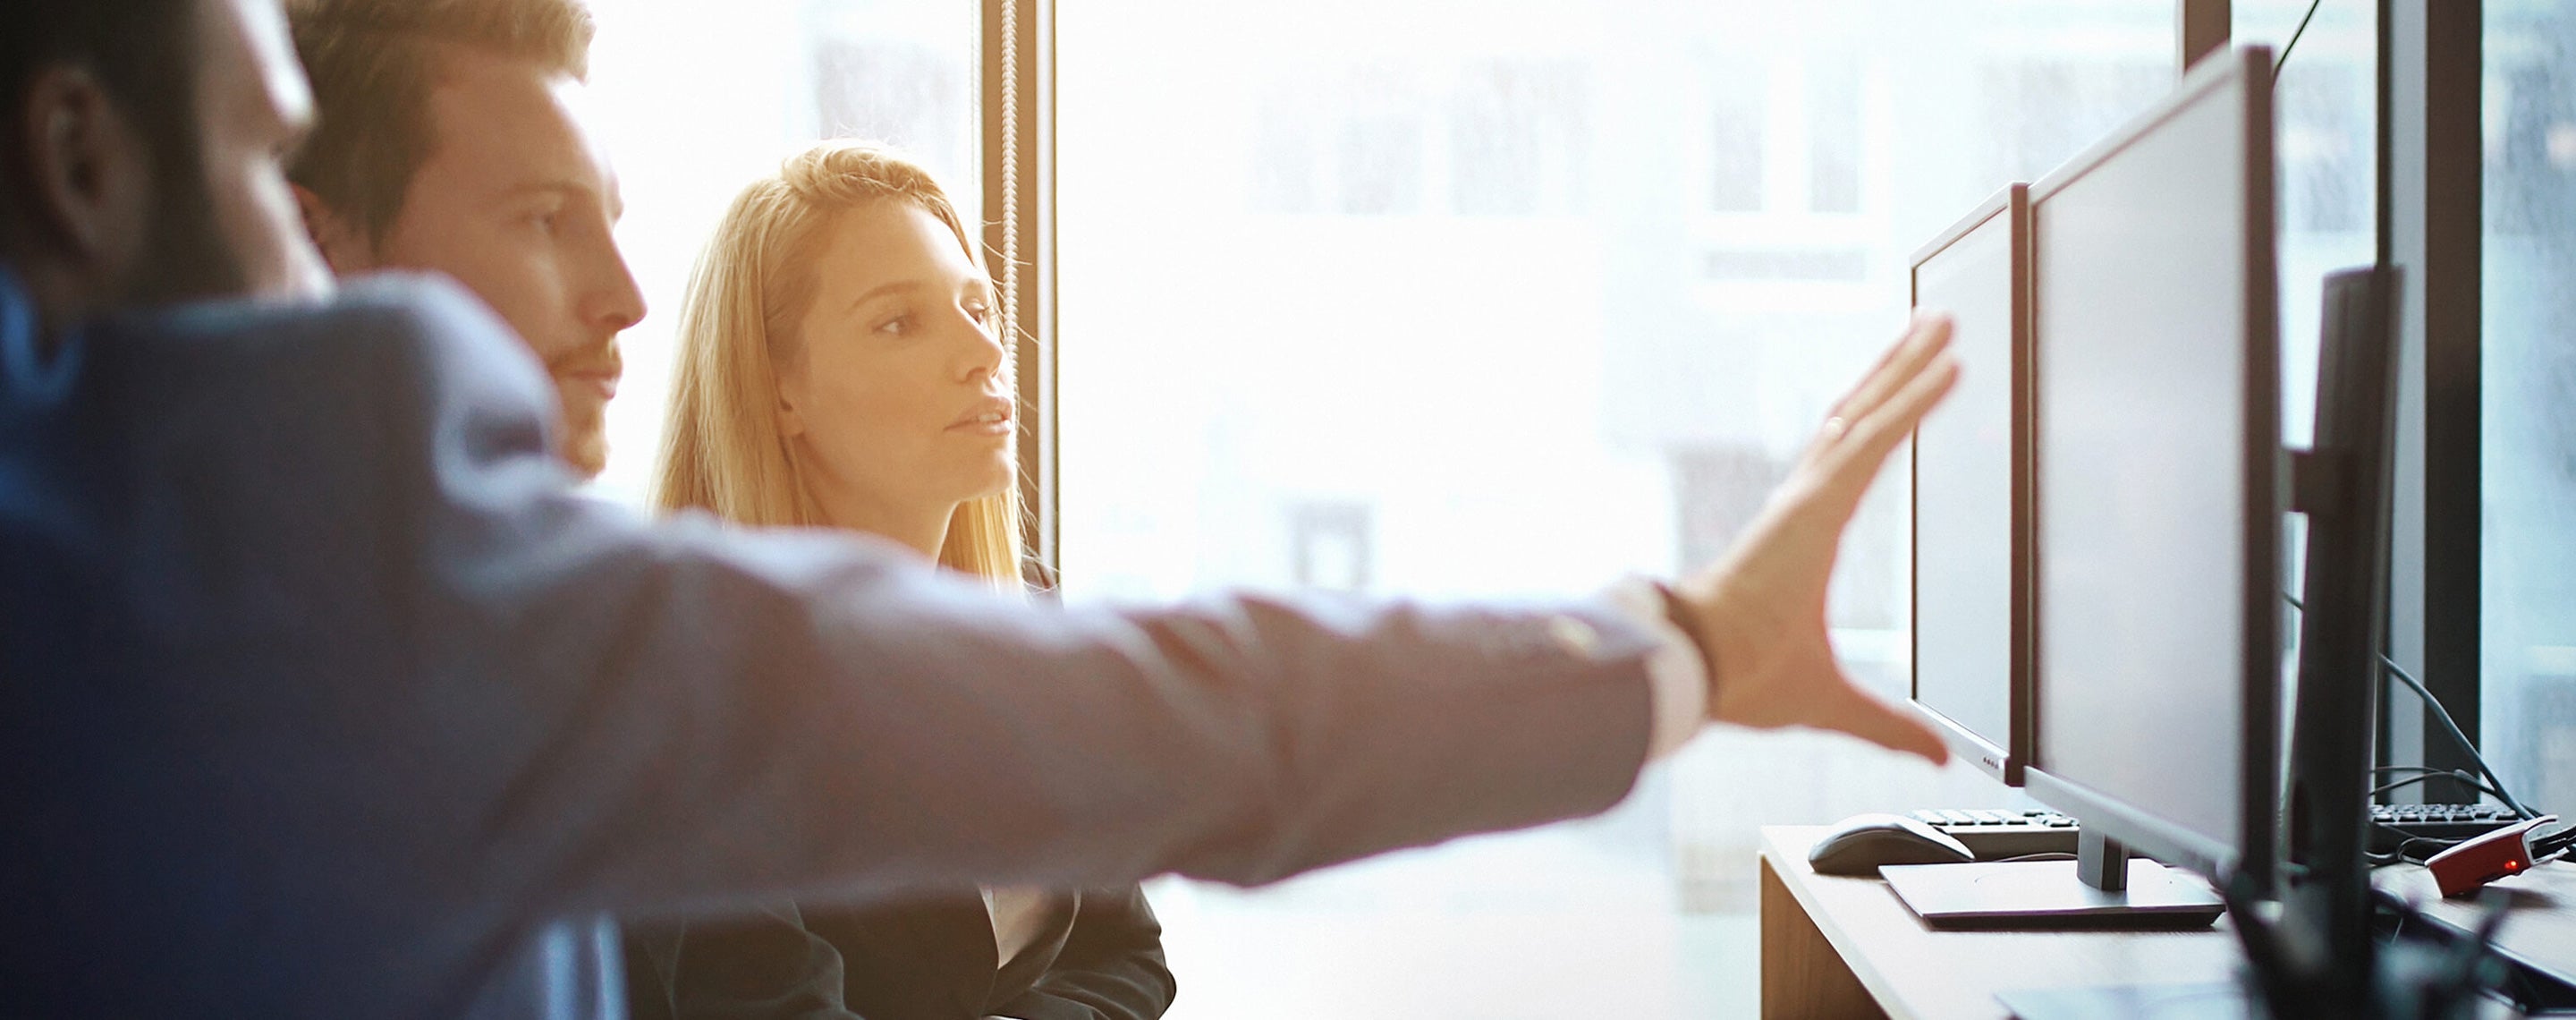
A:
[1016,96]
[2431,217]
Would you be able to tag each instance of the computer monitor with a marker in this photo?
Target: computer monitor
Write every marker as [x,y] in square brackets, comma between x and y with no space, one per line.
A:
[2318,951]
[2160,484]
[1971,667]
[2156,502]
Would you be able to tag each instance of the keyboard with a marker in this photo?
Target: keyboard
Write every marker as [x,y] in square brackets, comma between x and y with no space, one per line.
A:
[1996,835]
[2392,824]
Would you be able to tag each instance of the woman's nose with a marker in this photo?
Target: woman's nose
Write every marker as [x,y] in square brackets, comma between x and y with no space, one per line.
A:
[983,352]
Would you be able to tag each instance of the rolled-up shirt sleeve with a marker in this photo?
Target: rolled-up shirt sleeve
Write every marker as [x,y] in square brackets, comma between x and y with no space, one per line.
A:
[1675,670]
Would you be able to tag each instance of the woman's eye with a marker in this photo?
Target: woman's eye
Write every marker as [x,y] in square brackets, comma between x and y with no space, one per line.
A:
[982,314]
[897,326]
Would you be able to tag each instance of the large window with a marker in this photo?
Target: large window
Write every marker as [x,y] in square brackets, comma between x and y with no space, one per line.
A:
[1414,298]
[1433,300]
[2325,141]
[694,100]
[2528,441]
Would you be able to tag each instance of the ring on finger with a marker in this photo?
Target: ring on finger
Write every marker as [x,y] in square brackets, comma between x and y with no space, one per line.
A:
[1834,428]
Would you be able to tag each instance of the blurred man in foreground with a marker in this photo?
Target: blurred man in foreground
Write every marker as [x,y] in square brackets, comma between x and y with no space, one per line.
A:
[325,697]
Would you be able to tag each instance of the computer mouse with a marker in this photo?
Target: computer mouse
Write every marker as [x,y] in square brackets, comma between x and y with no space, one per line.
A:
[1860,843]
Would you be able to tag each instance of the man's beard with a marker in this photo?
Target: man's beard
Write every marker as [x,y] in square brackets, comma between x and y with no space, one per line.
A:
[586,452]
[583,443]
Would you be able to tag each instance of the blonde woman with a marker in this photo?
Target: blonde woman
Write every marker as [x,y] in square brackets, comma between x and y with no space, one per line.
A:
[839,367]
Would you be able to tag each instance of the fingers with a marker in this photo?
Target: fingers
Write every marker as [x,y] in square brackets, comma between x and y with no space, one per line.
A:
[1927,337]
[1928,340]
[1879,723]
[1919,321]
[1846,469]
[1873,438]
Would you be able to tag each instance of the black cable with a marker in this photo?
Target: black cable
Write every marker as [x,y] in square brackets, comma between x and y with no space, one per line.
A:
[2496,783]
[2556,843]
[2465,778]
[2286,47]
[2444,716]
[2410,768]
[2047,855]
[2381,859]
[2404,846]
[2393,830]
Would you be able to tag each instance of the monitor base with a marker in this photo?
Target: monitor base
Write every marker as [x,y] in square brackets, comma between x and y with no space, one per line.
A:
[2216,1001]
[2047,895]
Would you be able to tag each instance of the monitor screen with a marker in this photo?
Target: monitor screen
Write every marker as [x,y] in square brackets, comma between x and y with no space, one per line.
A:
[1966,528]
[2158,464]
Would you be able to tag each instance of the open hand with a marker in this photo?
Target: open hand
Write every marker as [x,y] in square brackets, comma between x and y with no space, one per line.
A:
[1759,613]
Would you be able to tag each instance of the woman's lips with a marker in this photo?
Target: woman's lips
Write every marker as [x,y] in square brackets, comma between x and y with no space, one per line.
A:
[602,383]
[989,417]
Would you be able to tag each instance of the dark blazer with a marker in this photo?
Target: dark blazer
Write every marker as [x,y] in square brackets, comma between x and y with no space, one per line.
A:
[324,694]
[920,958]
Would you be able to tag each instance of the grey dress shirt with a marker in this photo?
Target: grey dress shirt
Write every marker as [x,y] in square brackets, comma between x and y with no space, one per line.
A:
[323,695]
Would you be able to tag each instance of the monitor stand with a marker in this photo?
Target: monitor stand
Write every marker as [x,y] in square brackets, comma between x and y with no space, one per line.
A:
[2104,887]
[2214,1001]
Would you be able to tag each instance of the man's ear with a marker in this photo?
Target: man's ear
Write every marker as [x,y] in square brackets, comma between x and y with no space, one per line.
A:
[343,246]
[90,175]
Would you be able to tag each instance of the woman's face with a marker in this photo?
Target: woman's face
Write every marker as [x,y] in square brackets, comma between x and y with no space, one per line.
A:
[897,406]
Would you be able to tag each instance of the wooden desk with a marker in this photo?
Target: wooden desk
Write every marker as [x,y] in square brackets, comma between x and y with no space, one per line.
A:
[1847,947]
[2539,932]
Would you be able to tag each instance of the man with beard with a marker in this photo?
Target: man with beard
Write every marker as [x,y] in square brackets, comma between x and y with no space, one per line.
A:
[321,693]
[450,139]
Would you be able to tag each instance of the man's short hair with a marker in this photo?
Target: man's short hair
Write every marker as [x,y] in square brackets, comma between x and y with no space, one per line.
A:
[143,51]
[373,64]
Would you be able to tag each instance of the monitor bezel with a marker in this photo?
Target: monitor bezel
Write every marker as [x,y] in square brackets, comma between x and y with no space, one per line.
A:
[2004,761]
[2247,866]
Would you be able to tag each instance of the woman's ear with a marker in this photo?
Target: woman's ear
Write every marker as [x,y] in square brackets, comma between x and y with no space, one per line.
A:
[791,424]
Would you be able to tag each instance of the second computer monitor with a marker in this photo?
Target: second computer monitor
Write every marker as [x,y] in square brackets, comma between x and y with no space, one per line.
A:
[2159,478]
[1971,493]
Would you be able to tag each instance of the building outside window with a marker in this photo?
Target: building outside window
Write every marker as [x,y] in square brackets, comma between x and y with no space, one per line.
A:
[1426,299]
[1530,294]
[2528,570]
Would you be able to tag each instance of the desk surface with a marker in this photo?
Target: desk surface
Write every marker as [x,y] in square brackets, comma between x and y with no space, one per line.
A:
[1915,971]
[2541,930]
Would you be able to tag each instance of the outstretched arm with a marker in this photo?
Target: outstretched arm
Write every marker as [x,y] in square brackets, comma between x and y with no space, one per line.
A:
[1759,613]
[672,715]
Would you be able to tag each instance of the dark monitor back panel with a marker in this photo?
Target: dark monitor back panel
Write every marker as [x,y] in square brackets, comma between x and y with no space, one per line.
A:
[2159,472]
[1971,520]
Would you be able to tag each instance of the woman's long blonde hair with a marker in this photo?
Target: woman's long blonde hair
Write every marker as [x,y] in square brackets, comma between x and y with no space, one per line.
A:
[722,450]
